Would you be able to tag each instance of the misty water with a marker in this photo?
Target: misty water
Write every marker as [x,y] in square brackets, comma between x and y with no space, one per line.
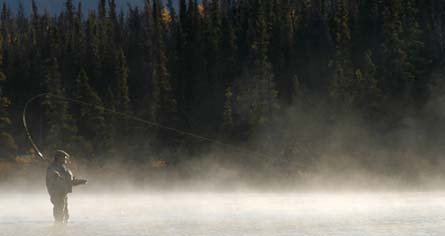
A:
[227,214]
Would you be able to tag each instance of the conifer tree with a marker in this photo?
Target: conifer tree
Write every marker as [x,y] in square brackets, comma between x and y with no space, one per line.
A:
[114,21]
[118,97]
[257,95]
[397,79]
[70,14]
[136,47]
[212,36]
[61,128]
[8,145]
[171,10]
[121,95]
[228,111]
[92,59]
[416,62]
[314,47]
[164,103]
[281,47]
[148,56]
[35,14]
[102,9]
[229,68]
[91,121]
[367,93]
[6,13]
[182,12]
[342,85]
[107,49]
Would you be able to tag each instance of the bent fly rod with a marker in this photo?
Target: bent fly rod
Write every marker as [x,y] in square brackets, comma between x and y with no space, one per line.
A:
[126,116]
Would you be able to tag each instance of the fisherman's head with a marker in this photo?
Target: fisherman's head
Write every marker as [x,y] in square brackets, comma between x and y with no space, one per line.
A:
[61,157]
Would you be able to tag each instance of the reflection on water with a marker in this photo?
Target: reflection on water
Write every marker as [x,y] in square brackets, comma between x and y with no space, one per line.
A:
[228,214]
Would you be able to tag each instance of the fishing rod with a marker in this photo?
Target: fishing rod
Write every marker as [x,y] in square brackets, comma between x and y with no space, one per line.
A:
[127,116]
[25,125]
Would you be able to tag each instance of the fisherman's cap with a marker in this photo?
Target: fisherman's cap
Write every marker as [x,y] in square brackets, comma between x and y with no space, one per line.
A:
[61,153]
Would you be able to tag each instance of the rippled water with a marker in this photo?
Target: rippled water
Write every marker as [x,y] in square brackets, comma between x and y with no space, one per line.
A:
[227,214]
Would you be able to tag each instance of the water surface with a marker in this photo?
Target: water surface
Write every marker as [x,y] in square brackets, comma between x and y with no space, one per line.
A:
[228,214]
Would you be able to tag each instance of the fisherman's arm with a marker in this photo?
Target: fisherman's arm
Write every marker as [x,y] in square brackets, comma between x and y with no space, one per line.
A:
[76,182]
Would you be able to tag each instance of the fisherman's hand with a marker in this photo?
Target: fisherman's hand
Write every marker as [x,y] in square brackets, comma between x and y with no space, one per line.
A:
[79,181]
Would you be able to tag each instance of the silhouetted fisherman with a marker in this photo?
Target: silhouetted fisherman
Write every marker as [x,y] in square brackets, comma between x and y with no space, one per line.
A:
[60,182]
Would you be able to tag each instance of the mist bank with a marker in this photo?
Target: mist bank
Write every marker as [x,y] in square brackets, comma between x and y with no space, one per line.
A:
[307,148]
[221,176]
[304,149]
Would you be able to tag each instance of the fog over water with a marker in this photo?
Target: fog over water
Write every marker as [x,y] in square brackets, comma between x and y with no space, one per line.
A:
[228,214]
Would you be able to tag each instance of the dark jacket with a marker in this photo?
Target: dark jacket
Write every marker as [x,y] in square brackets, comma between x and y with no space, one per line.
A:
[59,179]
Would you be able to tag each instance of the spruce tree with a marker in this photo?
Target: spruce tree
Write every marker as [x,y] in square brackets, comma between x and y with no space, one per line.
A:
[182,12]
[91,121]
[229,66]
[342,85]
[6,13]
[397,79]
[118,98]
[35,14]
[171,10]
[416,62]
[367,93]
[281,47]
[8,145]
[257,94]
[146,107]
[70,14]
[115,33]
[102,9]
[107,49]
[228,112]
[121,96]
[61,127]
[164,103]
[92,59]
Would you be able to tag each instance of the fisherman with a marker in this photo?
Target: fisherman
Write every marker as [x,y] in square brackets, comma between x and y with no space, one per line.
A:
[59,182]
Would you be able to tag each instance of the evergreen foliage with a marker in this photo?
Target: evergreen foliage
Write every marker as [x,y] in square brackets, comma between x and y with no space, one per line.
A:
[8,146]
[91,120]
[62,132]
[217,67]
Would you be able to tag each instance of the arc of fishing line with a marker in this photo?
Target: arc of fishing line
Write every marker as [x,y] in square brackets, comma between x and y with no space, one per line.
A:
[127,116]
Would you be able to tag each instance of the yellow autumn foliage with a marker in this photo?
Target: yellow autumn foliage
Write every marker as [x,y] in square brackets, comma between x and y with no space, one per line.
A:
[166,16]
[201,10]
[2,76]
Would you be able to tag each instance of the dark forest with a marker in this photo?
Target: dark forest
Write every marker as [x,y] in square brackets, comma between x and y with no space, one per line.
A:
[285,85]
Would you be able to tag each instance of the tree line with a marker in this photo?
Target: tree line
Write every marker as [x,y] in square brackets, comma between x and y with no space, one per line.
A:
[220,68]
